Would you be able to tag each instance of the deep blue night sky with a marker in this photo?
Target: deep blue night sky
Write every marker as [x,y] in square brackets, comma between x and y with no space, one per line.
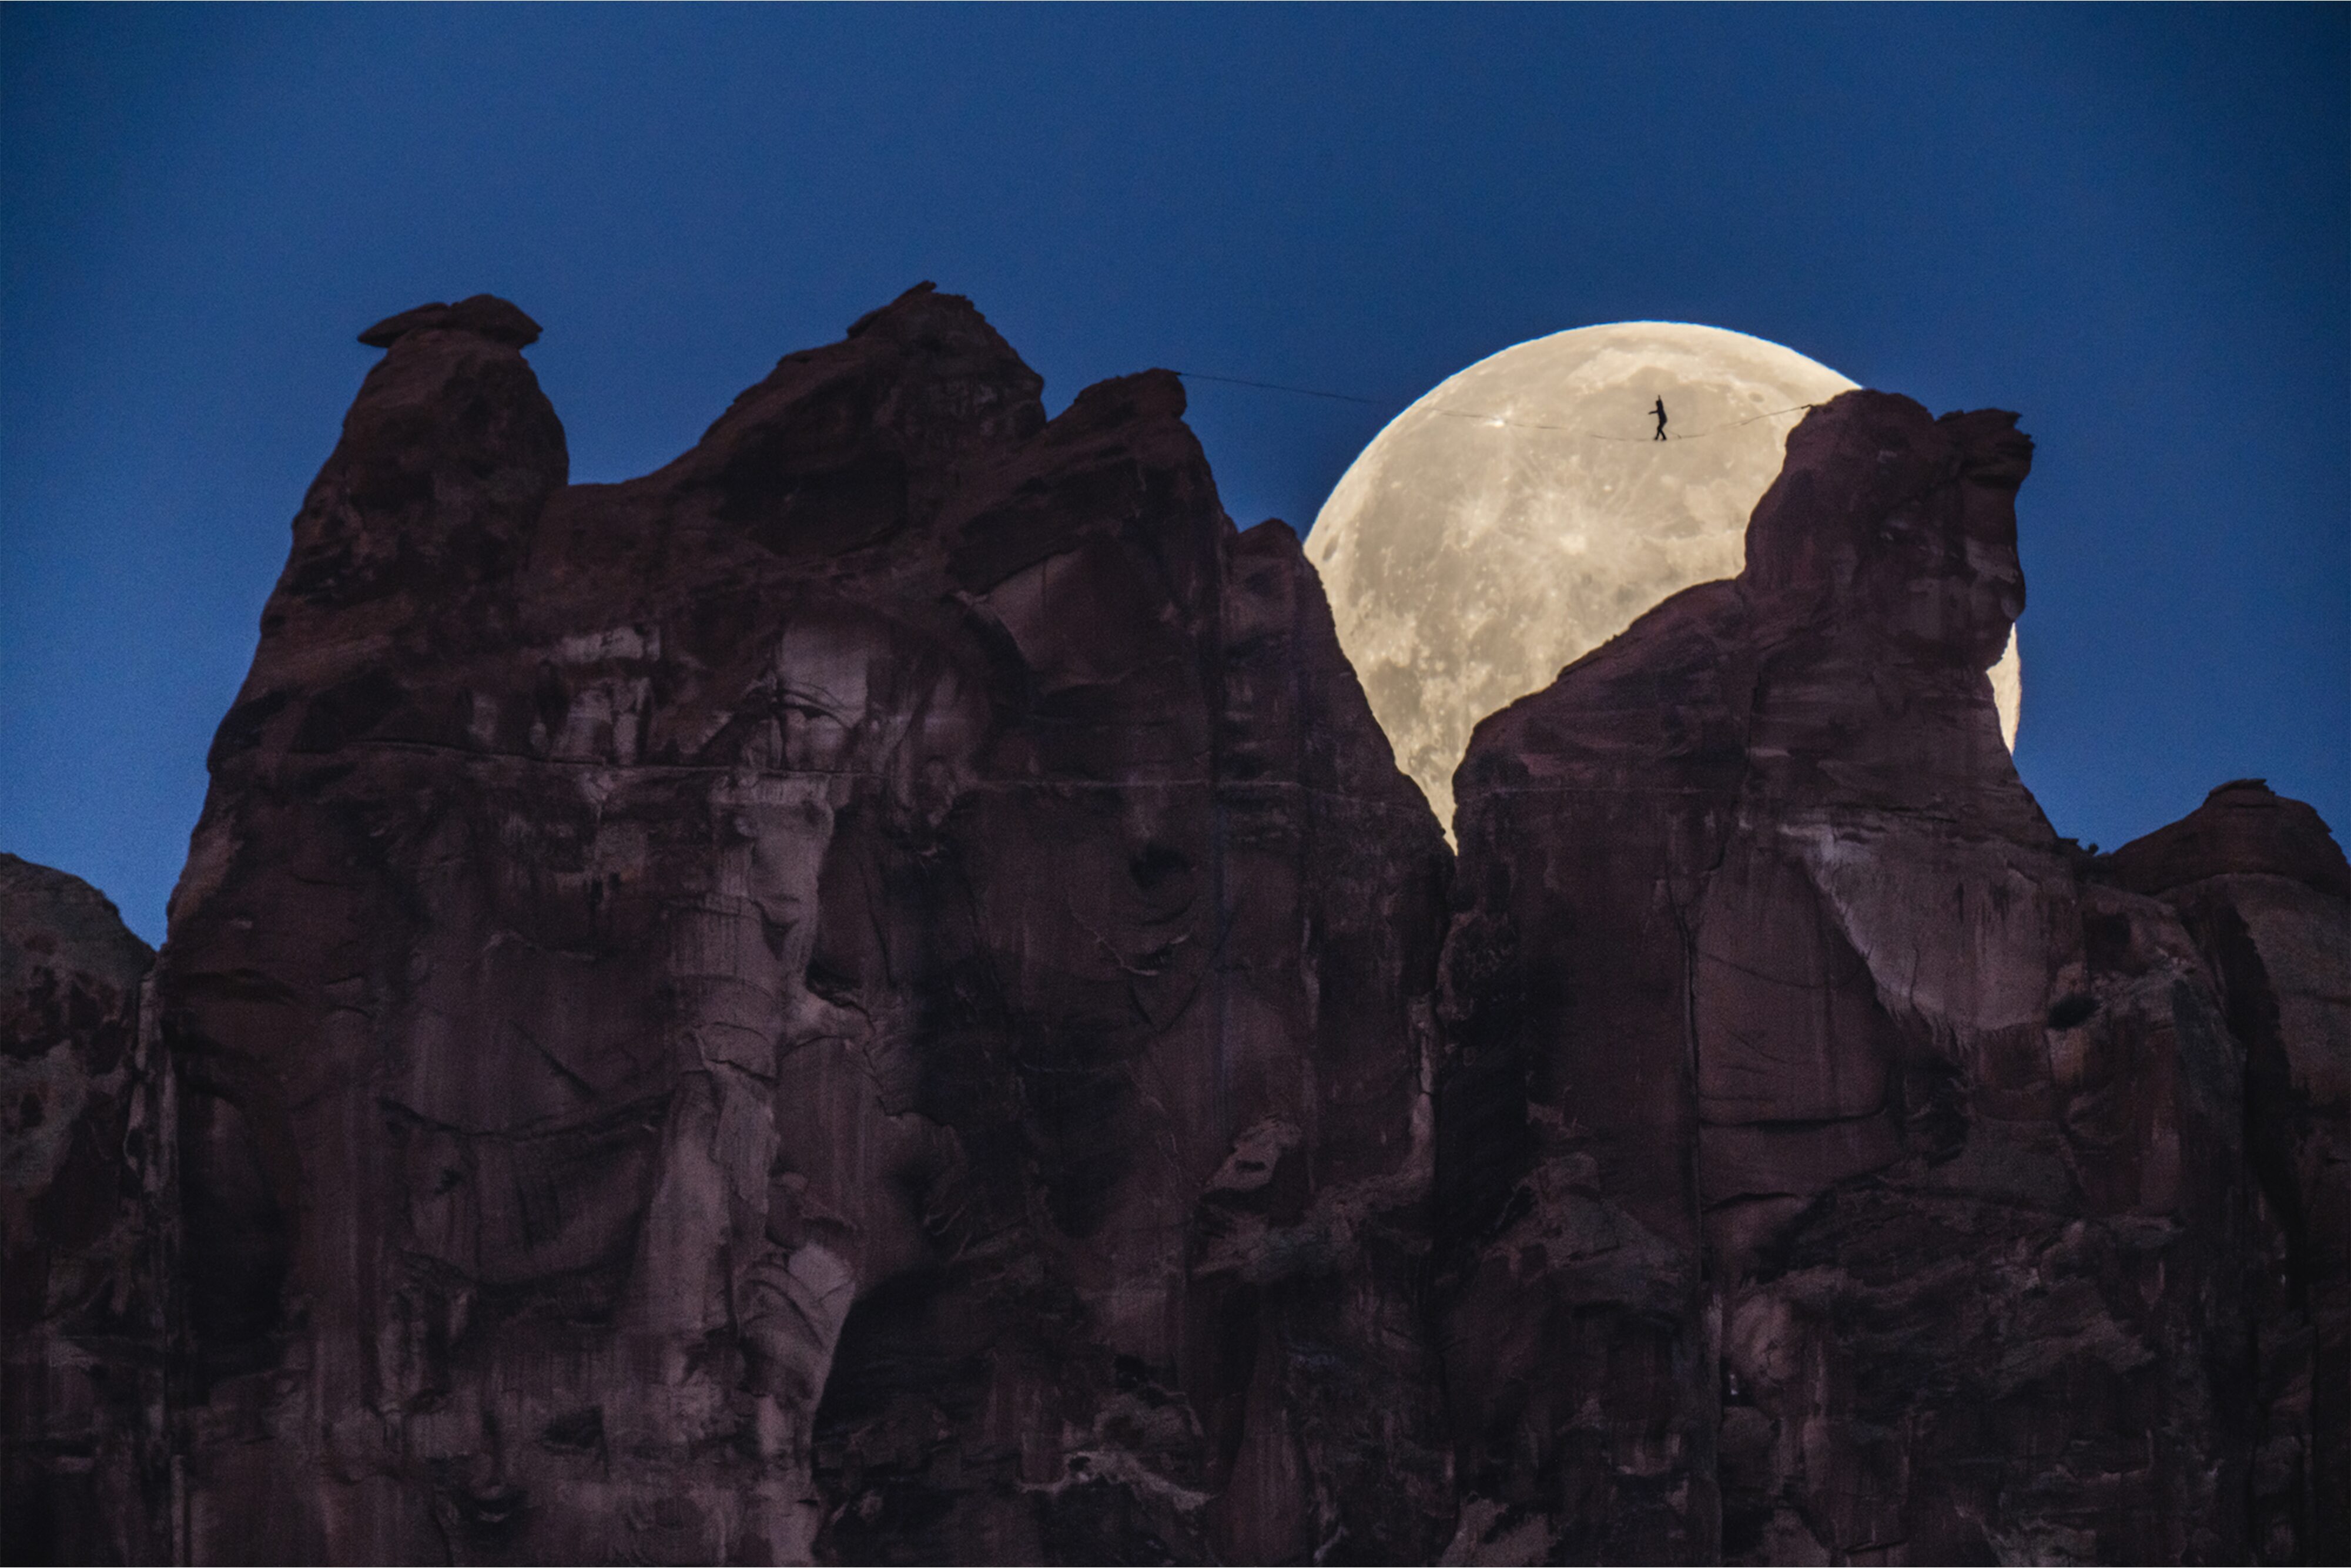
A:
[2133,225]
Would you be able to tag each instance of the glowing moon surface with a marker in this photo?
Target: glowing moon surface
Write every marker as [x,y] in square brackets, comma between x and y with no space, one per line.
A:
[1524,512]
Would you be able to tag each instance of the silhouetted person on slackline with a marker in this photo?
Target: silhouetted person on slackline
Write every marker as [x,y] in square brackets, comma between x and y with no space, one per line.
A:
[1661,419]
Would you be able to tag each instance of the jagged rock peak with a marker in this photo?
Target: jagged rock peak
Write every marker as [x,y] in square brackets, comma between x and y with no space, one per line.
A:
[923,301]
[911,390]
[1877,500]
[2243,826]
[885,876]
[924,324]
[1143,397]
[484,315]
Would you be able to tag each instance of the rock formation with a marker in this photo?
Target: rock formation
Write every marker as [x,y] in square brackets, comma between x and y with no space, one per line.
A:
[2263,891]
[1837,1167]
[875,995]
[861,995]
[84,1456]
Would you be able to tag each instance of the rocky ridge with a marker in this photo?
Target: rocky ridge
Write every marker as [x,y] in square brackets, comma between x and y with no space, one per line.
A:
[861,995]
[875,995]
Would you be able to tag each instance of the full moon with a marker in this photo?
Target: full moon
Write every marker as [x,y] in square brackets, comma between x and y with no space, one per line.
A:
[1524,512]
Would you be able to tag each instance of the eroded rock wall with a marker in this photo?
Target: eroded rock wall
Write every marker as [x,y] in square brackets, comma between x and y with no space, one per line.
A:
[1841,1172]
[85,1229]
[2263,891]
[875,995]
[861,995]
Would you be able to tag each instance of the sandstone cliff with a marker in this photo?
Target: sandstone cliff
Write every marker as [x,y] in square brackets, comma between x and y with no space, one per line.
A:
[2263,891]
[875,995]
[1838,1166]
[861,995]
[84,1159]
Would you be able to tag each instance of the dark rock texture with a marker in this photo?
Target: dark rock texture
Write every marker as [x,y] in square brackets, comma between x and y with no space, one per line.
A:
[2262,889]
[875,995]
[84,1457]
[863,995]
[1835,1168]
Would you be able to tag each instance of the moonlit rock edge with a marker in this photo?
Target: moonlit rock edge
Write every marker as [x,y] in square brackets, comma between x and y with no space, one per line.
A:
[1800,1065]
[1519,515]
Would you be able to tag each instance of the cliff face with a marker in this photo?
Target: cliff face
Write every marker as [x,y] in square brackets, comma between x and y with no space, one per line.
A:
[861,995]
[84,1459]
[2263,891]
[875,995]
[1838,1170]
